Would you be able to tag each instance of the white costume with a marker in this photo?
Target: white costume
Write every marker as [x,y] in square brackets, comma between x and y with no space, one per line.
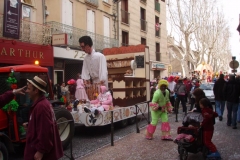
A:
[171,86]
[95,65]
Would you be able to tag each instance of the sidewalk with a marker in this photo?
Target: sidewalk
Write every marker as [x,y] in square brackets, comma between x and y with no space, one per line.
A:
[134,146]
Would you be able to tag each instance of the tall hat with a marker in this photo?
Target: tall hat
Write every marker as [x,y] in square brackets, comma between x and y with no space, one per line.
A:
[38,83]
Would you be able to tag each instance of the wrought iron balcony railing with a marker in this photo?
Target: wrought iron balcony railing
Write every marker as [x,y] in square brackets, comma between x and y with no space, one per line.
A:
[143,24]
[31,32]
[157,6]
[92,2]
[99,42]
[125,16]
[158,56]
[157,32]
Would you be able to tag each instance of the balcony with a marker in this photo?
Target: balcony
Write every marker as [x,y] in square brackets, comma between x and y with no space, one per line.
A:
[93,3]
[157,6]
[125,16]
[31,32]
[99,42]
[143,25]
[158,56]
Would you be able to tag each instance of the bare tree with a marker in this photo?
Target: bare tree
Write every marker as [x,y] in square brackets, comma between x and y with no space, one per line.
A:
[200,26]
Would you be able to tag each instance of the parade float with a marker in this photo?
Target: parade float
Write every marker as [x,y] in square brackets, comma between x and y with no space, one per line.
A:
[204,72]
[128,79]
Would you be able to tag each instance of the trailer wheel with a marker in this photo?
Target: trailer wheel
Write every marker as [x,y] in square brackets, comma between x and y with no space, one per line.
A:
[123,123]
[65,125]
[132,120]
[3,152]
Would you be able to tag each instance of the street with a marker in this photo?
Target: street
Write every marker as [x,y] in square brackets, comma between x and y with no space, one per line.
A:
[91,143]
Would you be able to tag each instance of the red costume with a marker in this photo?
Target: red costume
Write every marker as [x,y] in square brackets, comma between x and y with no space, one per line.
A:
[6,98]
[208,128]
[42,133]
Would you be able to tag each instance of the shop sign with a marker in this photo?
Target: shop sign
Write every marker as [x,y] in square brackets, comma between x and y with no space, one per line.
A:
[159,66]
[11,20]
[59,39]
[25,53]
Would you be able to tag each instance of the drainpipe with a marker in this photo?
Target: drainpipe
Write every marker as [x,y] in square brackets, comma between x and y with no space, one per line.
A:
[44,11]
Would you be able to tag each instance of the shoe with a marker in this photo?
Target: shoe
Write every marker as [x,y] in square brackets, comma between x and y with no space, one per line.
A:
[214,154]
[234,127]
[169,138]
[96,112]
[87,110]
[220,118]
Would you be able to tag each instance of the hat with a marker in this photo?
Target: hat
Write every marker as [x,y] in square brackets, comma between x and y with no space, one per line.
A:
[71,81]
[162,82]
[38,83]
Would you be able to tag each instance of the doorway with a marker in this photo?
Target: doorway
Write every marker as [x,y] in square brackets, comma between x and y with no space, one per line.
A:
[58,76]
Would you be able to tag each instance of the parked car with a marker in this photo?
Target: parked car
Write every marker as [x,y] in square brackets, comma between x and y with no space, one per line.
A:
[208,90]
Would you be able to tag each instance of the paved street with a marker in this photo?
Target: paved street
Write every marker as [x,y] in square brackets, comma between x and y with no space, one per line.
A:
[134,146]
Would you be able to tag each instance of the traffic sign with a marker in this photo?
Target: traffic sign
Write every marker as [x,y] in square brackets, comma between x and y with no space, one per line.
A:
[234,71]
[233,64]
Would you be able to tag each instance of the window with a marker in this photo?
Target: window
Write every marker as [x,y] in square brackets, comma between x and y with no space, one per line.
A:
[124,38]
[106,31]
[157,26]
[158,54]
[157,6]
[105,1]
[124,12]
[143,19]
[163,0]
[67,12]
[143,41]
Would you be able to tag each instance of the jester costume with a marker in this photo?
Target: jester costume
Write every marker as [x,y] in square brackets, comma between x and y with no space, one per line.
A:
[160,106]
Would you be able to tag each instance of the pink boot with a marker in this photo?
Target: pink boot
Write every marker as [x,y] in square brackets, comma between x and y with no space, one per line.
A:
[165,128]
[150,130]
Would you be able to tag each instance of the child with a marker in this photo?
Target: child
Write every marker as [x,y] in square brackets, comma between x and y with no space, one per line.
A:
[208,126]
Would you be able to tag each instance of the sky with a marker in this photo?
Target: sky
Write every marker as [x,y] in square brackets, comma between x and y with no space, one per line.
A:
[231,9]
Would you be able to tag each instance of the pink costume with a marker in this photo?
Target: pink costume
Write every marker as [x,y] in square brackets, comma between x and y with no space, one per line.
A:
[104,99]
[80,90]
[185,137]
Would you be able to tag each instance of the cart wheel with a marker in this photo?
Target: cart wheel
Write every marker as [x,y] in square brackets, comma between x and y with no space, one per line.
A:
[183,154]
[179,149]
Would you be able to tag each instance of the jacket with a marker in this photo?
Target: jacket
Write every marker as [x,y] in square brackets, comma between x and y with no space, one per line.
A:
[218,90]
[208,119]
[5,98]
[231,91]
[42,132]
[180,89]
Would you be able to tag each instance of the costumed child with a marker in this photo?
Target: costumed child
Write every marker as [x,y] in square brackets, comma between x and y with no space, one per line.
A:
[208,126]
[160,106]
[102,103]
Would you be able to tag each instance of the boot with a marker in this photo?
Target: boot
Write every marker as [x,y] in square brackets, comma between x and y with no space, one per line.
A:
[214,154]
[165,128]
[150,130]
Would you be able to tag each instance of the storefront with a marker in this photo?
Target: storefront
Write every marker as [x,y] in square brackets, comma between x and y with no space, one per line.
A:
[159,70]
[67,63]
[14,52]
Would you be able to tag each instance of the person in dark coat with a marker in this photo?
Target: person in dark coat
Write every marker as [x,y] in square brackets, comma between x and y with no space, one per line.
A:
[219,96]
[6,97]
[43,140]
[231,92]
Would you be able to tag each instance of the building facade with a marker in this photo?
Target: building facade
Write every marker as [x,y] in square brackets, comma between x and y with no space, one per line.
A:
[144,22]
[72,19]
[24,38]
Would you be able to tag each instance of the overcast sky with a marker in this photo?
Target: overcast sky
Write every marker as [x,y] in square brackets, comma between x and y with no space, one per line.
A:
[232,10]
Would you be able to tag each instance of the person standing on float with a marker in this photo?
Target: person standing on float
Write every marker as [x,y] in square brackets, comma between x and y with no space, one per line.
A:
[94,64]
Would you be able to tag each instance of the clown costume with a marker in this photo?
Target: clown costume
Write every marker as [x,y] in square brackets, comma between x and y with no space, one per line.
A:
[160,106]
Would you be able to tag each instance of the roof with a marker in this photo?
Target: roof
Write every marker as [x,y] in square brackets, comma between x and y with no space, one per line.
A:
[24,68]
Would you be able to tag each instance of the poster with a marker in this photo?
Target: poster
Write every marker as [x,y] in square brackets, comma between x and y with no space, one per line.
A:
[11,19]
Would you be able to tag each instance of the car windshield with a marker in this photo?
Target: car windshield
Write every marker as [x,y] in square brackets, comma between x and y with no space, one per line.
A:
[207,86]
